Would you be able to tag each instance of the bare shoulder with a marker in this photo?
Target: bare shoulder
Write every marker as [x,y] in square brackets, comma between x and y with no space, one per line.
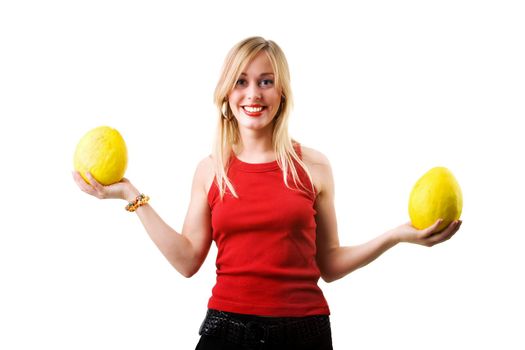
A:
[205,165]
[205,173]
[319,167]
[314,157]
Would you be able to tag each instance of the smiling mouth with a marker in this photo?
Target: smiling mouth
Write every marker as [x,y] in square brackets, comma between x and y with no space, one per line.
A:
[253,109]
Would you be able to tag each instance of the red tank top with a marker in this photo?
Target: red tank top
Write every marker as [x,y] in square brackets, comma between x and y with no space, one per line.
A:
[266,244]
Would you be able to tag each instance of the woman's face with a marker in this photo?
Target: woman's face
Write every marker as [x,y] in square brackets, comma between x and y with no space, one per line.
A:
[255,99]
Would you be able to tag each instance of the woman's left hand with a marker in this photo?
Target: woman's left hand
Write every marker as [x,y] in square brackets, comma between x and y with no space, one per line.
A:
[428,236]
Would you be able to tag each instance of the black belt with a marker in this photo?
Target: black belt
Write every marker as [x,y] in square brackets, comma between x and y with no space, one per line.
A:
[244,329]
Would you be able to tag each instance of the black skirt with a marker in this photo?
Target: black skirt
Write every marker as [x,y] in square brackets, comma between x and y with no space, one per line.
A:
[230,331]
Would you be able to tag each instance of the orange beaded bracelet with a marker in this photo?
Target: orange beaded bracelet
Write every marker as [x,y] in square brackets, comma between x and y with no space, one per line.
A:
[138,202]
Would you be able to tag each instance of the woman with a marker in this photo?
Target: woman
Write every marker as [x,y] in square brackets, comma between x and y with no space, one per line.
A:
[268,203]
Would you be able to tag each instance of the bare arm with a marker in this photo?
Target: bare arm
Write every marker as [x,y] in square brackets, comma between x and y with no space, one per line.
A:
[187,250]
[335,261]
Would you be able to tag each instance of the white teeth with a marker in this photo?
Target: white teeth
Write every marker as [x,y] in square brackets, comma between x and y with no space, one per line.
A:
[253,109]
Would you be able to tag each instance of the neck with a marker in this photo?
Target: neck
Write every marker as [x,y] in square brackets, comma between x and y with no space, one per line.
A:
[255,146]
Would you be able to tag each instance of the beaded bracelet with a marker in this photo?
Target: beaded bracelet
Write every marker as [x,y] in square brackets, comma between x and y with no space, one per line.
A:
[138,202]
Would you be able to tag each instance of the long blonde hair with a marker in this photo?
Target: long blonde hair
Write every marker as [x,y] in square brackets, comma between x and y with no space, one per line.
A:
[227,128]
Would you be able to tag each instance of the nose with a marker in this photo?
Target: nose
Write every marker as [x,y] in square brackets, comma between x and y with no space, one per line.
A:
[254,93]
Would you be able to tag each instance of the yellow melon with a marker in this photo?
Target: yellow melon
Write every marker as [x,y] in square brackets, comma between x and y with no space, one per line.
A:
[102,152]
[435,195]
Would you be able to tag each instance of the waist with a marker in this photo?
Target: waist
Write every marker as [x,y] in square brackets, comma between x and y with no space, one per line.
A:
[250,329]
[267,296]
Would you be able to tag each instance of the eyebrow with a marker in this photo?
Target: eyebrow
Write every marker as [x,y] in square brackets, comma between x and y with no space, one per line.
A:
[262,74]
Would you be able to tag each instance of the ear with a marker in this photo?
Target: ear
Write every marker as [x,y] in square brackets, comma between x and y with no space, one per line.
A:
[225,110]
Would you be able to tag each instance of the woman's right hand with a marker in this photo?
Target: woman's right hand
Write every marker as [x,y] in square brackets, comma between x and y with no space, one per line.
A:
[121,190]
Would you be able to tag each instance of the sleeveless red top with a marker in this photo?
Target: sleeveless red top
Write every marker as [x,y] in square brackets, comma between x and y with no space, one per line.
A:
[266,244]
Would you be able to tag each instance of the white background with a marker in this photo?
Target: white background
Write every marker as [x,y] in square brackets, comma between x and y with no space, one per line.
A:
[386,89]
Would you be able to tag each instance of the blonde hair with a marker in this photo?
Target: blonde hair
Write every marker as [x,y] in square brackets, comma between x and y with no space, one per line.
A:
[227,129]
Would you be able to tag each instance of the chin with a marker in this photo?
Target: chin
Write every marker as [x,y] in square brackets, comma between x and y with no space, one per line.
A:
[255,126]
[255,122]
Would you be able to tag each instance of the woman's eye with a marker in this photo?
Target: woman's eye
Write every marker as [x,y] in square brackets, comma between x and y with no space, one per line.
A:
[240,82]
[266,82]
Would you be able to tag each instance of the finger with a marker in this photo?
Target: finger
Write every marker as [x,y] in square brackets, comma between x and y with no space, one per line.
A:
[452,228]
[77,176]
[97,186]
[446,234]
[124,179]
[81,183]
[429,231]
